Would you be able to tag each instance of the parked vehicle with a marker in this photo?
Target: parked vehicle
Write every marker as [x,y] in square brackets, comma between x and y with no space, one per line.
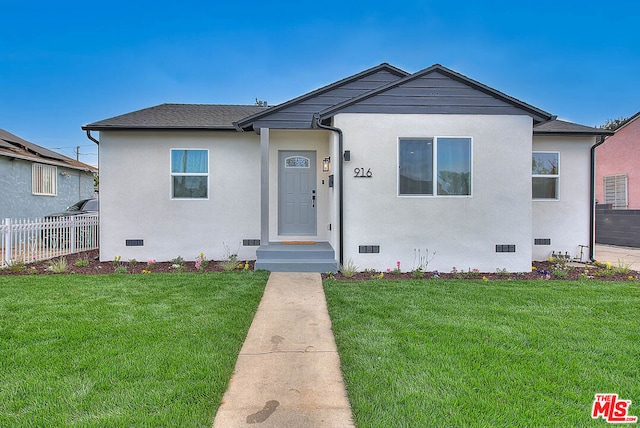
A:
[85,206]
[69,228]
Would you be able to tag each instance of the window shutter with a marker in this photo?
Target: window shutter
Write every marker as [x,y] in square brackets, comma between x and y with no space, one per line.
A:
[615,191]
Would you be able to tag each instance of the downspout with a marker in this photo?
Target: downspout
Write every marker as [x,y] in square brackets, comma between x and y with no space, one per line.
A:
[317,124]
[592,212]
[89,136]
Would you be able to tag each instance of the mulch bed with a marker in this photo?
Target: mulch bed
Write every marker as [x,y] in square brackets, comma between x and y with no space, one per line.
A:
[95,266]
[540,270]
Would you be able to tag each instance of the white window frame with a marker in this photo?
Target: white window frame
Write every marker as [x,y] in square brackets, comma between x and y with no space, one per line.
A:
[620,184]
[556,176]
[188,174]
[435,167]
[44,180]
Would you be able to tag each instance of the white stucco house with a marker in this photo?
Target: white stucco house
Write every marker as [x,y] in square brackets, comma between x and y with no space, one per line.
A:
[367,169]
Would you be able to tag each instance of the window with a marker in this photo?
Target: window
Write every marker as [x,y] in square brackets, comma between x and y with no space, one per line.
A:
[545,173]
[445,161]
[189,174]
[615,191]
[44,180]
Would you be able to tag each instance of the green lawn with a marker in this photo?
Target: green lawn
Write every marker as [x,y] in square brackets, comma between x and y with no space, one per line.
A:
[121,350]
[476,353]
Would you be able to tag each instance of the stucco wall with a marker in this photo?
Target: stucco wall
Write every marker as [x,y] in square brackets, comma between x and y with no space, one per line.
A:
[463,230]
[135,192]
[565,221]
[17,201]
[620,154]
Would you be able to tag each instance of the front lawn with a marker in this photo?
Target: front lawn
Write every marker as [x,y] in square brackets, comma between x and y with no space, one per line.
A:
[121,350]
[485,353]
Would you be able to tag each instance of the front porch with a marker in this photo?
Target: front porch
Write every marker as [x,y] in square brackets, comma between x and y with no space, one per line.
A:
[296,257]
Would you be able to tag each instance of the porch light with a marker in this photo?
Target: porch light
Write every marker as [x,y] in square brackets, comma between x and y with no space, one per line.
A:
[326,162]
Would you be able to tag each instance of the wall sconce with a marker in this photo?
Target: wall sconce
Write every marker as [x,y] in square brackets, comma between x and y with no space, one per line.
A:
[326,162]
[64,174]
[347,155]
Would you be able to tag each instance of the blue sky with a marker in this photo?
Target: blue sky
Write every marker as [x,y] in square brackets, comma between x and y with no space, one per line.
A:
[65,64]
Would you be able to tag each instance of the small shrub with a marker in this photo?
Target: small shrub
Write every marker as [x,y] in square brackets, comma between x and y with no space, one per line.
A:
[133,262]
[178,261]
[230,261]
[349,269]
[560,273]
[116,261]
[17,267]
[81,263]
[502,272]
[58,265]
[623,268]
[229,264]
[417,273]
[120,269]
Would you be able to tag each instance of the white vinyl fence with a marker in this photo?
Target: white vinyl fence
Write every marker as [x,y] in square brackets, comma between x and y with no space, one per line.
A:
[31,240]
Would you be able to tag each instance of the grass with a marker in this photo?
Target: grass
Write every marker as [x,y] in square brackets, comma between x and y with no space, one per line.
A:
[476,353]
[121,350]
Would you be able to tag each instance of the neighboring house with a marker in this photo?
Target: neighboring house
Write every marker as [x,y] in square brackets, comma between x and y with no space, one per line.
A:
[618,167]
[35,181]
[377,168]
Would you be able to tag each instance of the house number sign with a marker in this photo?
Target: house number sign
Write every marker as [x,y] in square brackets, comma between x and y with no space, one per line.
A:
[362,173]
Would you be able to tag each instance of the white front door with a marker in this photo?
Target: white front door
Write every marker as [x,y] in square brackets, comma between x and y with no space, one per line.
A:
[297,193]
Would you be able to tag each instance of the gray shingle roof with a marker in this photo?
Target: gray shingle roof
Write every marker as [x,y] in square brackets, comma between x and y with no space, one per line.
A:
[182,116]
[561,127]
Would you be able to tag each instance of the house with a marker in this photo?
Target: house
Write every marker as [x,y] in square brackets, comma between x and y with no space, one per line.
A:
[372,170]
[35,181]
[618,167]
[618,186]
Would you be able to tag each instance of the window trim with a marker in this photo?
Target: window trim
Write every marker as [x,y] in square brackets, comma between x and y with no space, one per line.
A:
[38,173]
[435,194]
[188,174]
[556,176]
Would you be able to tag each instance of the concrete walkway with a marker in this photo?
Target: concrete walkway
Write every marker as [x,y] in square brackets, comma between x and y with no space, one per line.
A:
[288,371]
[625,255]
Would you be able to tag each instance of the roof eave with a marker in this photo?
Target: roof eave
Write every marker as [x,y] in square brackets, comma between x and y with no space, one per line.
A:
[87,168]
[152,128]
[594,133]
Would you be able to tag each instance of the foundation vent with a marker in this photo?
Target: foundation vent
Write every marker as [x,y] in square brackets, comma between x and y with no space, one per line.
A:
[505,248]
[250,242]
[134,242]
[542,241]
[369,249]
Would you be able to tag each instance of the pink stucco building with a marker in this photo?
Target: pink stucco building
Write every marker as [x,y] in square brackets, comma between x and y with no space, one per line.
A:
[618,167]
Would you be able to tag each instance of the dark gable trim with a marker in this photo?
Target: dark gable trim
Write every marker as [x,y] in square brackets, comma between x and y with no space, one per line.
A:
[247,123]
[537,114]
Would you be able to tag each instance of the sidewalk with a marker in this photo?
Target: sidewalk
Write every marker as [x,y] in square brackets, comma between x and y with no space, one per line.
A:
[288,371]
[625,255]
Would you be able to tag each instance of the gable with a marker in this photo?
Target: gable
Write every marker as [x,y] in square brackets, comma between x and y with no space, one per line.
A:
[298,113]
[436,90]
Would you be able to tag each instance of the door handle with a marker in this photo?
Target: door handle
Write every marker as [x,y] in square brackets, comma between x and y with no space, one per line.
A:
[313,199]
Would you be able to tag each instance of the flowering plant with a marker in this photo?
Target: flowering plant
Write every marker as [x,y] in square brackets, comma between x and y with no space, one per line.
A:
[201,262]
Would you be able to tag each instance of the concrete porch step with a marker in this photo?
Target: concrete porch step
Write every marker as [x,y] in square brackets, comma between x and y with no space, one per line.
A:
[278,257]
